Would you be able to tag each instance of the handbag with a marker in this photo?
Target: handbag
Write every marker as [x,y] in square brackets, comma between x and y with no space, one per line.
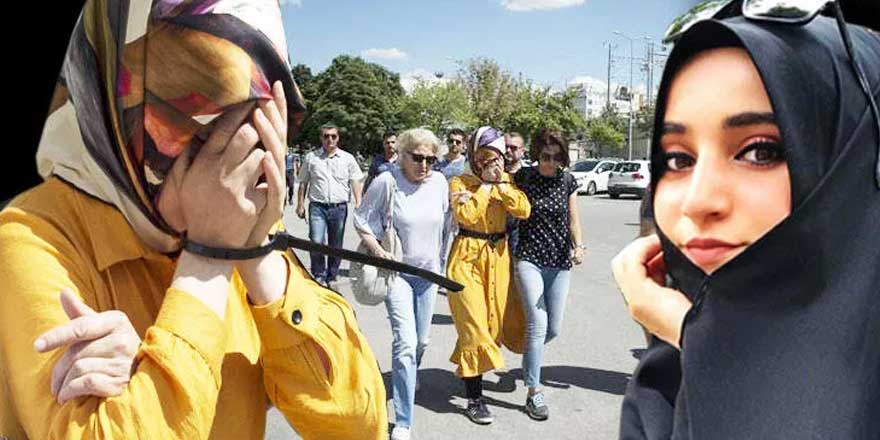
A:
[368,283]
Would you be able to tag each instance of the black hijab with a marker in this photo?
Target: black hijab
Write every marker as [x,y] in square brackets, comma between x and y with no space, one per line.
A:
[784,340]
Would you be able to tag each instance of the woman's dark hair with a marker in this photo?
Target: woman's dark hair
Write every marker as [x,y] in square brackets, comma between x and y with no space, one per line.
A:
[546,138]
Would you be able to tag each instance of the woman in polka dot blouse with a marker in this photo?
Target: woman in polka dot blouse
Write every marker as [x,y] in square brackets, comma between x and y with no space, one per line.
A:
[549,242]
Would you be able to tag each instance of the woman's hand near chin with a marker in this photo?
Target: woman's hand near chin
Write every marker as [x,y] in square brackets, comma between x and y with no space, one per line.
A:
[640,275]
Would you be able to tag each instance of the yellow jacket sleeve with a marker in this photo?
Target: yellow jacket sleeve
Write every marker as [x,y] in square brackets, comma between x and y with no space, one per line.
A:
[469,212]
[317,366]
[515,202]
[173,392]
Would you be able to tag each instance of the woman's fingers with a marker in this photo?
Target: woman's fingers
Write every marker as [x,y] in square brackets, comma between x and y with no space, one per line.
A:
[73,306]
[461,196]
[92,384]
[279,124]
[116,368]
[269,136]
[632,259]
[81,329]
[281,103]
[273,210]
[240,146]
[656,267]
[122,344]
[646,248]
[225,129]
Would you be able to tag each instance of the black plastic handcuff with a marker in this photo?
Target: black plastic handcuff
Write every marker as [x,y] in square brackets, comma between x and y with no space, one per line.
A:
[282,241]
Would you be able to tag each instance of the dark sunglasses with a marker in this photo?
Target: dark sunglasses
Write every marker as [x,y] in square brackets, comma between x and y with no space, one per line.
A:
[419,158]
[453,142]
[781,11]
[558,157]
[331,136]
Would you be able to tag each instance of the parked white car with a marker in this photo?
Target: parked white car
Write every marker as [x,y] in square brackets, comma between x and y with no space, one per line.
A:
[631,177]
[592,175]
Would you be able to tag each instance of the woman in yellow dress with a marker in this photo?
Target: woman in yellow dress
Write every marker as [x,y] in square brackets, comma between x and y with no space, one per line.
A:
[481,201]
[168,130]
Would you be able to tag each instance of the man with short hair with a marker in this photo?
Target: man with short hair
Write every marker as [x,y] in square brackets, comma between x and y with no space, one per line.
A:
[330,176]
[453,163]
[384,161]
[515,152]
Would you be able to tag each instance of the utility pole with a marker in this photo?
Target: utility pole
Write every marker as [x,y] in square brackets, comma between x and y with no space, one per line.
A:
[650,68]
[630,140]
[608,76]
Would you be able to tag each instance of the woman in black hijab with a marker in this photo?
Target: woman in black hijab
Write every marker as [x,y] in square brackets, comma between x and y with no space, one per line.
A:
[768,214]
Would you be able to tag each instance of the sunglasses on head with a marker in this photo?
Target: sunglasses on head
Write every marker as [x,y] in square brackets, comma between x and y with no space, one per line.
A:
[558,157]
[331,136]
[426,158]
[793,12]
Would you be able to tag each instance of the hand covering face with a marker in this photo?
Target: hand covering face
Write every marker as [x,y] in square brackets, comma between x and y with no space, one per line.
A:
[142,82]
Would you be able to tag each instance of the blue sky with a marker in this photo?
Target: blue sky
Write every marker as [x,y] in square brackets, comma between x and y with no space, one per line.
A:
[548,41]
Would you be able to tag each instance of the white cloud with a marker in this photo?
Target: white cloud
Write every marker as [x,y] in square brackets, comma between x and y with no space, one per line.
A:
[384,54]
[538,5]
[296,3]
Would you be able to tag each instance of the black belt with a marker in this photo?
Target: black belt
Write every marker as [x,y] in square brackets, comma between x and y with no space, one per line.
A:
[330,205]
[492,238]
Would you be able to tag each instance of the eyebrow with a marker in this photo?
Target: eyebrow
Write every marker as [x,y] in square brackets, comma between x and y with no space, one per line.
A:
[735,121]
[673,128]
[749,118]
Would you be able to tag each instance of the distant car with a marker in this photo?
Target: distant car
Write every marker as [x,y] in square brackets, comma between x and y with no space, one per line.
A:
[592,175]
[631,177]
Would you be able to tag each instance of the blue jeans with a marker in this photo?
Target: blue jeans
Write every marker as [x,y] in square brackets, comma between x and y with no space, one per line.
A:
[326,224]
[410,305]
[543,291]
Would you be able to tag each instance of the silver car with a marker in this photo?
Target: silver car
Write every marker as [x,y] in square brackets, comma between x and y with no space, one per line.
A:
[631,177]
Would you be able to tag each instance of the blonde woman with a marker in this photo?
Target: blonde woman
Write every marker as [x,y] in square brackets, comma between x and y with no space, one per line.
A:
[419,215]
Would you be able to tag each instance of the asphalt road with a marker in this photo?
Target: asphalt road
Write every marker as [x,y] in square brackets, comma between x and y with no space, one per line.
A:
[586,368]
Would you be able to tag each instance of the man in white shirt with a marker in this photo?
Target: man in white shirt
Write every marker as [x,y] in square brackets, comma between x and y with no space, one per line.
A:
[330,176]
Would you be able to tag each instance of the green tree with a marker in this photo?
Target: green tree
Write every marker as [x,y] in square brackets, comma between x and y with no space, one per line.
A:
[491,91]
[302,74]
[615,119]
[538,107]
[437,107]
[609,141]
[361,98]
[496,98]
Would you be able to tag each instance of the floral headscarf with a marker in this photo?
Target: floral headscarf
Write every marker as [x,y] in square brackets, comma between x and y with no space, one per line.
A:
[142,82]
[485,138]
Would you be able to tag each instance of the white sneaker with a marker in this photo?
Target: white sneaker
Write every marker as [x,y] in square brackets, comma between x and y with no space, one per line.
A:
[400,433]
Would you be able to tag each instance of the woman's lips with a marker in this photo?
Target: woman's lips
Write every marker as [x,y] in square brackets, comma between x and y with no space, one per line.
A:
[709,253]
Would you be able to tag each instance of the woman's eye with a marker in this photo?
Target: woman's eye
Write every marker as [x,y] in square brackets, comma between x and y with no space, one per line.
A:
[678,161]
[762,153]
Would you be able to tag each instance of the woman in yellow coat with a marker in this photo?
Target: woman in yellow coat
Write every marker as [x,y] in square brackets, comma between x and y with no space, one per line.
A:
[481,202]
[168,130]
